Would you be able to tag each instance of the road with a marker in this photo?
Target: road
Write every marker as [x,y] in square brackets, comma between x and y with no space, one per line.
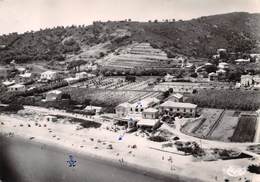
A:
[25,161]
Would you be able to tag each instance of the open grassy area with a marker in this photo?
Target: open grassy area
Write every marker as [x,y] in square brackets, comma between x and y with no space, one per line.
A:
[245,130]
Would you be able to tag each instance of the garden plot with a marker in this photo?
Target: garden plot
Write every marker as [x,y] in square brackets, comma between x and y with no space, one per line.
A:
[135,86]
[203,126]
[212,116]
[226,127]
[102,96]
[245,130]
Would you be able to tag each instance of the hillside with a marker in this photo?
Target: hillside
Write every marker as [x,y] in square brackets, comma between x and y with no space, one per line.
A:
[200,37]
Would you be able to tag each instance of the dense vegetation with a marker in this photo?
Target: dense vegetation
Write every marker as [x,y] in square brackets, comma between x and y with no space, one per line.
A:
[197,37]
[227,99]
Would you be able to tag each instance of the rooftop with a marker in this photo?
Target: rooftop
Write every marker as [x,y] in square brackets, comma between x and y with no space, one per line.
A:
[55,92]
[49,72]
[147,122]
[178,104]
[92,108]
[125,104]
[26,75]
[17,86]
[7,83]
[150,110]
[177,95]
[146,102]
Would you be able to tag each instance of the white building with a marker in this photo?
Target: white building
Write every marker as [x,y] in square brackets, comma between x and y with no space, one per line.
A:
[71,80]
[122,110]
[223,65]
[81,75]
[8,83]
[150,113]
[24,78]
[250,80]
[53,95]
[212,76]
[241,61]
[186,109]
[176,97]
[49,75]
[168,78]
[17,88]
[140,106]
[96,109]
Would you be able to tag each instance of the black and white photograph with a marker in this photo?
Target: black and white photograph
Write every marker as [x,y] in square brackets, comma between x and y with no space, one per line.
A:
[129,90]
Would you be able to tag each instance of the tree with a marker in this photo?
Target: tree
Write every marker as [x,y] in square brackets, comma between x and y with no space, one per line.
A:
[166,94]
[194,75]
[130,78]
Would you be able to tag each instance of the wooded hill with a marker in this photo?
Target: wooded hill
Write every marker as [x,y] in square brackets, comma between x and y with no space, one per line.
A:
[200,38]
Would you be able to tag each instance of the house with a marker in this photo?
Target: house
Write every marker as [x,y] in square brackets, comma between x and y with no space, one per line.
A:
[223,65]
[91,75]
[81,75]
[71,80]
[255,56]
[147,123]
[53,95]
[176,97]
[49,75]
[168,78]
[150,113]
[24,78]
[221,51]
[17,88]
[241,61]
[139,106]
[250,80]
[221,73]
[123,109]
[96,109]
[256,81]
[51,118]
[21,70]
[213,76]
[246,80]
[186,109]
[8,83]
[4,72]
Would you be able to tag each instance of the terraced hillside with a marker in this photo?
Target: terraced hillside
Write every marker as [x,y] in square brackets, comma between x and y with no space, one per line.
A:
[140,55]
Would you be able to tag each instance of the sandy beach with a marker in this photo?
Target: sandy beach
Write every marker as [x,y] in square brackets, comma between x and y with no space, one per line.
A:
[95,143]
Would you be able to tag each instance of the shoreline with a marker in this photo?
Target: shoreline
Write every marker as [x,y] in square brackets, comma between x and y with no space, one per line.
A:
[152,172]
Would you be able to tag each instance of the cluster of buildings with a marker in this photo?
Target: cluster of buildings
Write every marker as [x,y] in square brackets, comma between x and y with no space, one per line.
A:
[250,80]
[25,77]
[146,112]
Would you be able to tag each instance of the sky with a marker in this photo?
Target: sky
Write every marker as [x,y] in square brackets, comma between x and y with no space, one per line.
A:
[26,15]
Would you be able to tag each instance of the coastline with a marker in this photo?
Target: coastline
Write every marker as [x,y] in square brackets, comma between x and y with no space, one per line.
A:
[140,169]
[94,143]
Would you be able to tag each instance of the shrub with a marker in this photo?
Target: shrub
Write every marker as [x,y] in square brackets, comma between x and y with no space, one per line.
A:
[158,139]
[254,168]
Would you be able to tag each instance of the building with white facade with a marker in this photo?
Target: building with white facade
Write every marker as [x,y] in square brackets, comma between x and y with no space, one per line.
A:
[185,109]
[49,75]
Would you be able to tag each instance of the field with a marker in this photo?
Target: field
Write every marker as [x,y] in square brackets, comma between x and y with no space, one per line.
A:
[222,125]
[204,126]
[226,126]
[188,87]
[107,98]
[119,82]
[227,99]
[245,130]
